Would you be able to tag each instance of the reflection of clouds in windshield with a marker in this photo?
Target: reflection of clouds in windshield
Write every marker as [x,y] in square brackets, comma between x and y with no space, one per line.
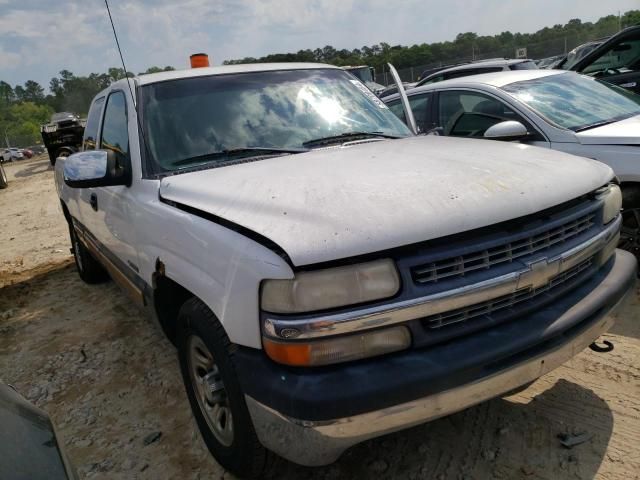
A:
[194,117]
[328,108]
[573,101]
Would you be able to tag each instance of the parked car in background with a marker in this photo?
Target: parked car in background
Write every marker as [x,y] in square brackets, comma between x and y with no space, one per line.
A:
[616,60]
[27,152]
[29,446]
[550,62]
[475,68]
[326,276]
[62,136]
[577,54]
[12,154]
[37,149]
[548,108]
[367,75]
[393,88]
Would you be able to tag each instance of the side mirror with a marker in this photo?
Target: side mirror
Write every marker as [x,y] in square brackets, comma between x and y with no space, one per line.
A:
[95,168]
[507,130]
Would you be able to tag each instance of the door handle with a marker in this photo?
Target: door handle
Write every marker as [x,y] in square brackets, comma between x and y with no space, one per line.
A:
[93,200]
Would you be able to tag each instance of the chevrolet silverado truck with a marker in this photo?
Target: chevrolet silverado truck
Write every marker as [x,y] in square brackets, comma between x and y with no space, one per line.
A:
[327,276]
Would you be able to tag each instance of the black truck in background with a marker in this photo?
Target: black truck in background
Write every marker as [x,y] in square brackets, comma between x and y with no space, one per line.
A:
[62,136]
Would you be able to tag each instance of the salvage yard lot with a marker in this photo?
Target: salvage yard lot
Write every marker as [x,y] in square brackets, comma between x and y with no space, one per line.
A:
[111,382]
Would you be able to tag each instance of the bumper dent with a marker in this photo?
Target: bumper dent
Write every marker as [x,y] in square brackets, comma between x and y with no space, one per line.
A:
[316,443]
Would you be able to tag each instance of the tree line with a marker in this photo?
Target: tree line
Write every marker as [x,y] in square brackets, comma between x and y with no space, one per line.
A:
[24,108]
[466,46]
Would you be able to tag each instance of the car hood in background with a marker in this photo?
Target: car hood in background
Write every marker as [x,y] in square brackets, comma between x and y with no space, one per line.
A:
[624,132]
[335,203]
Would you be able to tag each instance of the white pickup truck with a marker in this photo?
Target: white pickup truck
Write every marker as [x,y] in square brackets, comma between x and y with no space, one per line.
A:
[326,276]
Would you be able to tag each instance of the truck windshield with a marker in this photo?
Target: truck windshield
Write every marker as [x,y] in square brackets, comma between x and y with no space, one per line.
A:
[576,102]
[202,118]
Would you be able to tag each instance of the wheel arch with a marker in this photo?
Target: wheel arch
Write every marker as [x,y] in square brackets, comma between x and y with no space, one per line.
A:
[168,297]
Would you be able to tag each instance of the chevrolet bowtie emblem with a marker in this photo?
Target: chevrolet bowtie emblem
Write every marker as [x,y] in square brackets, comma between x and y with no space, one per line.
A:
[539,274]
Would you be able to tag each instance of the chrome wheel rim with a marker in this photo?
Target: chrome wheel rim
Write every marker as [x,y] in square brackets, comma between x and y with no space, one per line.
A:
[630,232]
[210,391]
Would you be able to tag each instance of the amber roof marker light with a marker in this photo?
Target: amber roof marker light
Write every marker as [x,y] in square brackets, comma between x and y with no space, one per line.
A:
[199,60]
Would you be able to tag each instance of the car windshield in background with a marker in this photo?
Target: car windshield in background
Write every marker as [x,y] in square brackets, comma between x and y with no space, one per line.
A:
[576,102]
[216,118]
[528,65]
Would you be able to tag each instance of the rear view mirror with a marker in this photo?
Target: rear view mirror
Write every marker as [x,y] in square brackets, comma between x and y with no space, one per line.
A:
[95,168]
[623,47]
[507,130]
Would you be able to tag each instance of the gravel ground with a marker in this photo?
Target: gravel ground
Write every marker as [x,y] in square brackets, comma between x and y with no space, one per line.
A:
[110,381]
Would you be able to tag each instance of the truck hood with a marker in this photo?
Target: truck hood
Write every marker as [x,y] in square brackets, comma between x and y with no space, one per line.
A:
[624,132]
[341,202]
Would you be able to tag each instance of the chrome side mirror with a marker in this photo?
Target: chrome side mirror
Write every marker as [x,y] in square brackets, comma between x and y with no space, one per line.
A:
[507,130]
[95,168]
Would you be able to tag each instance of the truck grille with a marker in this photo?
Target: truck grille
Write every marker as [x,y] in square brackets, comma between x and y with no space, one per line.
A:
[459,266]
[507,301]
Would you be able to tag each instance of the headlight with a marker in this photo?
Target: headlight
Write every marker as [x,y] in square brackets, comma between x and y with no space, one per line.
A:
[338,349]
[332,287]
[612,197]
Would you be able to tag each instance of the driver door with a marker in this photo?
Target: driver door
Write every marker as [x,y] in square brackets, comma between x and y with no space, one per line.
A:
[465,113]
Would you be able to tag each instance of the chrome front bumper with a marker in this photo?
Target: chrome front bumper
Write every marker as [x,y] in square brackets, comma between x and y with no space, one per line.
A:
[320,443]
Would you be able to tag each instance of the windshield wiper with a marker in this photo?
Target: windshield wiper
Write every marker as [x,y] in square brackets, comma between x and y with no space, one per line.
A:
[234,152]
[595,125]
[343,137]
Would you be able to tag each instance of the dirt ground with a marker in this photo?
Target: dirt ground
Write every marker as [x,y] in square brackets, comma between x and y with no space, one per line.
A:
[110,381]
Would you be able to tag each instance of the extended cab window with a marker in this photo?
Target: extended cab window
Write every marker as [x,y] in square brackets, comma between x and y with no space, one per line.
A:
[115,131]
[93,121]
[470,114]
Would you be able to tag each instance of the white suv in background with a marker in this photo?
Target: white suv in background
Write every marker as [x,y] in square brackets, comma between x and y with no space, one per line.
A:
[11,154]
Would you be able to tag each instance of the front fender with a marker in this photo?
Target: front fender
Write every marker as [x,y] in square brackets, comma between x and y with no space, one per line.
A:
[221,267]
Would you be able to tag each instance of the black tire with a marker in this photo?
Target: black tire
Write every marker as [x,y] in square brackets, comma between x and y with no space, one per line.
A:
[89,269]
[3,178]
[52,157]
[630,234]
[245,456]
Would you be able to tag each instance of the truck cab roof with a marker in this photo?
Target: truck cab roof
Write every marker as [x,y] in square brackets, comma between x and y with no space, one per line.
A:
[225,70]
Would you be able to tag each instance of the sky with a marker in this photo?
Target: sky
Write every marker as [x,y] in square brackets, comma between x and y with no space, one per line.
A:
[38,38]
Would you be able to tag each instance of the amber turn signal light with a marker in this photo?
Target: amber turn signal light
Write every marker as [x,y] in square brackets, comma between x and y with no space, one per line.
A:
[338,349]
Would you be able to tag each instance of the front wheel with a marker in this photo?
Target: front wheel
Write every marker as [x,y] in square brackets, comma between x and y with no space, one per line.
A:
[215,395]
[630,232]
[89,269]
[3,177]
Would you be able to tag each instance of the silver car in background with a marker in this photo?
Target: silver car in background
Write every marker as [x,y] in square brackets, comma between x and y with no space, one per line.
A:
[547,108]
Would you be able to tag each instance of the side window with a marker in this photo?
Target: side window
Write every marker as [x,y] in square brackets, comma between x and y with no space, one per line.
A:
[419,106]
[437,78]
[396,108]
[620,58]
[91,129]
[470,114]
[115,130]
